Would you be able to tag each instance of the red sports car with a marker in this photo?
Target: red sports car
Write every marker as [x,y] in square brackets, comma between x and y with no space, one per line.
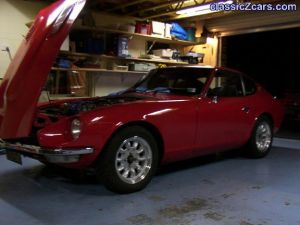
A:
[291,101]
[172,114]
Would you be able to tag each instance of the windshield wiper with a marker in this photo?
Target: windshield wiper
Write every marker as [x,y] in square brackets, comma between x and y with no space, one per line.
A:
[138,90]
[145,90]
[159,90]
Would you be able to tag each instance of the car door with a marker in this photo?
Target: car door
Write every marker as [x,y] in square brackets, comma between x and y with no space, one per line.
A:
[223,120]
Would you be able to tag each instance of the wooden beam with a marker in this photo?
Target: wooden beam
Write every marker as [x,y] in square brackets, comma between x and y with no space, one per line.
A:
[156,6]
[172,11]
[121,6]
[93,3]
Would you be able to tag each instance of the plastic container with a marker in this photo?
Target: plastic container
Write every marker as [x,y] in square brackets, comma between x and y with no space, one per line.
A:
[143,28]
[191,31]
[141,67]
[164,53]
[130,28]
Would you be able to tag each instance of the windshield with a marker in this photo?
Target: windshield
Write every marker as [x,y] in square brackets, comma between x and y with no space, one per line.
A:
[184,80]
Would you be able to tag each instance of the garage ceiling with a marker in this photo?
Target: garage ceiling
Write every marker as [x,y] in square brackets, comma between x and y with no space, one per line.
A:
[253,22]
[145,9]
[159,10]
[154,9]
[223,23]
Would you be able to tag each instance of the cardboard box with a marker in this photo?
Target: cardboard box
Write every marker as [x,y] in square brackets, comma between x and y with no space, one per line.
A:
[168,27]
[164,53]
[158,29]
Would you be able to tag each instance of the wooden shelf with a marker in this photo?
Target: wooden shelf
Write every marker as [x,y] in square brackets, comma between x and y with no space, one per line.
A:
[165,61]
[144,36]
[97,70]
[65,96]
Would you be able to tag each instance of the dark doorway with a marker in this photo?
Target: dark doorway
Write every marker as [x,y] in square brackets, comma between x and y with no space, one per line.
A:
[273,59]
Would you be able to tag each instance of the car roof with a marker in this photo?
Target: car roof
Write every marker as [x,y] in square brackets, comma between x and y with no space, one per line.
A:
[203,66]
[200,66]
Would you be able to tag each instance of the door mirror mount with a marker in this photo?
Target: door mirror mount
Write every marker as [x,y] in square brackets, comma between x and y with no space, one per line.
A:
[215,99]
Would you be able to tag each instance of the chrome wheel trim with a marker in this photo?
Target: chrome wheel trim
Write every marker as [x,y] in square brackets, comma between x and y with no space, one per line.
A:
[263,137]
[133,160]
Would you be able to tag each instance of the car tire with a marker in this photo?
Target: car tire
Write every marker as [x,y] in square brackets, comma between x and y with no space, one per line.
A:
[260,142]
[129,161]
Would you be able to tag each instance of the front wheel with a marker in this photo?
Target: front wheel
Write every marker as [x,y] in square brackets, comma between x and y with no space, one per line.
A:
[260,142]
[129,160]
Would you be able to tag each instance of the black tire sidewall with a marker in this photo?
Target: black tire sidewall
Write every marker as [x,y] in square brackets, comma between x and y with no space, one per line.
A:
[252,150]
[110,178]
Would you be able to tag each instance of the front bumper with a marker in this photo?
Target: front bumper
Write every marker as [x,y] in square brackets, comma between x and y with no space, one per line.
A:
[57,155]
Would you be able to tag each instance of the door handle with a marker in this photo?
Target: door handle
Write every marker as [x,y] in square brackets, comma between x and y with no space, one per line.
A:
[246,109]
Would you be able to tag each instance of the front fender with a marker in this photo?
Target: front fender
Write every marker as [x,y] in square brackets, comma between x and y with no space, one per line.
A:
[93,134]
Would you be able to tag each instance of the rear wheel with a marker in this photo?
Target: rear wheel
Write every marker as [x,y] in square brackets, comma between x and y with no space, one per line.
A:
[129,160]
[259,145]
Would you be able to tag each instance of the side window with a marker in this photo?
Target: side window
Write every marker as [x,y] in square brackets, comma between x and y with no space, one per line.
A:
[226,84]
[184,81]
[250,86]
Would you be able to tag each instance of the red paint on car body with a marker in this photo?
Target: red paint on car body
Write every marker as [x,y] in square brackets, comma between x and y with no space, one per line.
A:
[187,126]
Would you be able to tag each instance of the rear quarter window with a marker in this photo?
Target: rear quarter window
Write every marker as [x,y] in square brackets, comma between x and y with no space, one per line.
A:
[250,86]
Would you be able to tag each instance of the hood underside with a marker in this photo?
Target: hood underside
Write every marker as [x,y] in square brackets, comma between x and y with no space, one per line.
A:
[29,69]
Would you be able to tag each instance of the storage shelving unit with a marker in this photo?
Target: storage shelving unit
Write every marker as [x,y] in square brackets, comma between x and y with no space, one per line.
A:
[96,70]
[107,57]
[91,72]
[144,36]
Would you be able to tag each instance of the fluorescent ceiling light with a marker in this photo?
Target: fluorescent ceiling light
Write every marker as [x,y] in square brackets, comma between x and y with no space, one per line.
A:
[200,10]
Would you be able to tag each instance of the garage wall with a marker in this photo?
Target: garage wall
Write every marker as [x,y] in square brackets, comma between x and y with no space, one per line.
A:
[107,83]
[13,16]
[210,50]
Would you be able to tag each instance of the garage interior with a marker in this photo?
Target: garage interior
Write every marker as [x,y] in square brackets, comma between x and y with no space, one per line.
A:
[217,189]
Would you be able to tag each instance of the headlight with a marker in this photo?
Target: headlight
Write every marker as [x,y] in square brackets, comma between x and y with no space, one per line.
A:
[75,128]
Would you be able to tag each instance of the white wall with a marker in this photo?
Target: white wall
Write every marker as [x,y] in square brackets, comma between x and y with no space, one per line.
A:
[113,82]
[13,16]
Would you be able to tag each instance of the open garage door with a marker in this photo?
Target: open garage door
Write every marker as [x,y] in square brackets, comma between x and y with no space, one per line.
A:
[266,47]
[251,21]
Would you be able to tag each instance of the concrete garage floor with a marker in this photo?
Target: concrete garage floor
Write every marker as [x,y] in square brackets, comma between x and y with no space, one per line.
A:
[229,191]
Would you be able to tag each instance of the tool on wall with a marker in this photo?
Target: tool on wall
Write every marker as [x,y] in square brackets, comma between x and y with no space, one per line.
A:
[151,46]
[6,49]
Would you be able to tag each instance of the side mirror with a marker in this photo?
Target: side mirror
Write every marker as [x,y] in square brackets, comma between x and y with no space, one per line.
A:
[215,99]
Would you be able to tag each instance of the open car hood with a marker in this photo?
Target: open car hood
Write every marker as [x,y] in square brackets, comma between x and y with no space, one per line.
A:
[29,69]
